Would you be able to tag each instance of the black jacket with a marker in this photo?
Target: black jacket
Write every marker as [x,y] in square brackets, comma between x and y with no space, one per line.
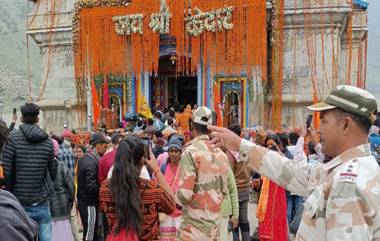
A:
[88,188]
[15,225]
[29,165]
[62,200]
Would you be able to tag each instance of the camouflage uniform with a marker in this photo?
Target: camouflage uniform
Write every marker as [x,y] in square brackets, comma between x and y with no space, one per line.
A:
[202,188]
[343,195]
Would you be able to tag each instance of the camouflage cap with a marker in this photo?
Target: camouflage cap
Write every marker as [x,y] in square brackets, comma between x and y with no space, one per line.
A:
[351,99]
[203,116]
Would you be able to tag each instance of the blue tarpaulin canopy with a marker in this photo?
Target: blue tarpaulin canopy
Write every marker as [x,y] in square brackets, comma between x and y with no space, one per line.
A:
[361,3]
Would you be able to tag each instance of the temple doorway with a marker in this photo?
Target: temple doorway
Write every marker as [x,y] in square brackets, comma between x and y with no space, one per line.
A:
[183,90]
[171,89]
[232,110]
[116,111]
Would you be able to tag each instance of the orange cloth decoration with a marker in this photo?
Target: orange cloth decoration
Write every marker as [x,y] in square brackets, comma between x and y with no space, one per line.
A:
[95,105]
[263,200]
[217,109]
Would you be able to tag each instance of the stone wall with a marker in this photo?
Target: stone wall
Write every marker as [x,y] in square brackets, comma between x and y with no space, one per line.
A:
[315,51]
[53,35]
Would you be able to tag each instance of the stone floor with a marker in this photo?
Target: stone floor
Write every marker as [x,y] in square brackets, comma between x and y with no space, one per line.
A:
[252,216]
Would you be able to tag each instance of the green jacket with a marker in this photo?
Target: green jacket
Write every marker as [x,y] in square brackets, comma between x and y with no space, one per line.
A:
[230,206]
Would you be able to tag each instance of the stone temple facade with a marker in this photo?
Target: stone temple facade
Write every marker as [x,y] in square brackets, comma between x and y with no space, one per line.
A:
[318,47]
[53,35]
[316,40]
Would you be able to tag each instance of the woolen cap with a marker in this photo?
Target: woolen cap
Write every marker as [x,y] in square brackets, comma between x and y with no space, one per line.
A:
[175,142]
[97,138]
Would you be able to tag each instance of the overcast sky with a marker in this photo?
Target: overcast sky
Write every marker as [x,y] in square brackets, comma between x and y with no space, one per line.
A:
[373,74]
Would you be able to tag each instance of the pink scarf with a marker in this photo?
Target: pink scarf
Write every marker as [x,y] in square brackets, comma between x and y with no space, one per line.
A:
[161,159]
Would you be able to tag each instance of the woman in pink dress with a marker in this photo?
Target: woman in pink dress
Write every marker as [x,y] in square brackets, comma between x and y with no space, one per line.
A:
[169,224]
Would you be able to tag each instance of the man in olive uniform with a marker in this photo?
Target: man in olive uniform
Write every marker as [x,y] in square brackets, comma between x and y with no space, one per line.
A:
[202,184]
[343,195]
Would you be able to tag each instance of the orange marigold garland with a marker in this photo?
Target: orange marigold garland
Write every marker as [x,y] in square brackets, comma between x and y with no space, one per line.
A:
[233,43]
[232,49]
[100,50]
[277,65]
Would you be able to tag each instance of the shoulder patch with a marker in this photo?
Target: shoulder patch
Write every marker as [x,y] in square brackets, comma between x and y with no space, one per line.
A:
[349,173]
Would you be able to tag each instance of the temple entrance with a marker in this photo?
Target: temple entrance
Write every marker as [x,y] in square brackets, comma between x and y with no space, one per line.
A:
[170,89]
[231,108]
[182,90]
[116,110]
[135,43]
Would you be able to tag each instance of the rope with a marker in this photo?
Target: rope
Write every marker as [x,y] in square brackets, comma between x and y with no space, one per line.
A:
[50,48]
[28,59]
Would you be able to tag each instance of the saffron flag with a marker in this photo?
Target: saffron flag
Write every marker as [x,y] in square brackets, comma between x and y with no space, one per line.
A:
[105,94]
[217,105]
[143,107]
[95,105]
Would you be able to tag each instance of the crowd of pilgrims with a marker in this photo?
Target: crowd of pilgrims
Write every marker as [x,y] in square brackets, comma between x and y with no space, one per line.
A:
[109,184]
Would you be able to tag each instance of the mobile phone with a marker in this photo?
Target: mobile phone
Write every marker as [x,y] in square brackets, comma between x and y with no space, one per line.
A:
[230,227]
[308,121]
[147,147]
[14,110]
